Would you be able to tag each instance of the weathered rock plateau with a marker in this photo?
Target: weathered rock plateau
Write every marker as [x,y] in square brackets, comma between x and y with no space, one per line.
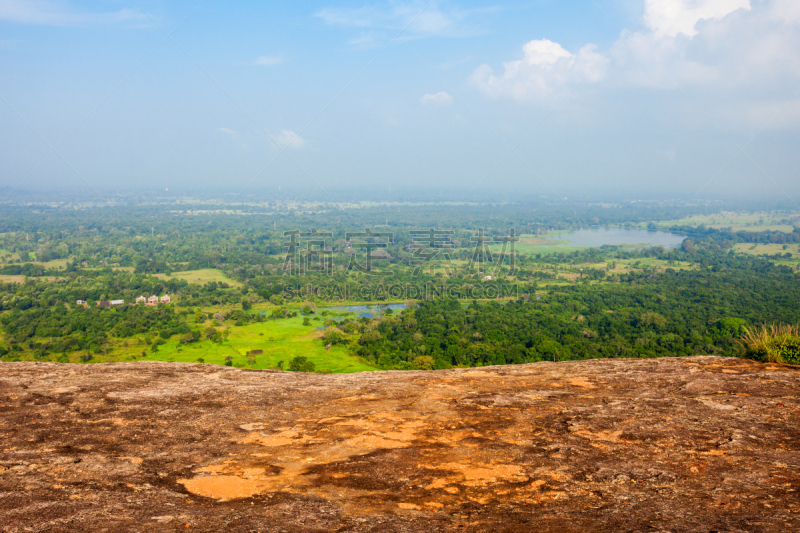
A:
[695,444]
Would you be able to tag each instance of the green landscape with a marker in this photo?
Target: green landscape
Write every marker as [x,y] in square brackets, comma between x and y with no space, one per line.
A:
[258,291]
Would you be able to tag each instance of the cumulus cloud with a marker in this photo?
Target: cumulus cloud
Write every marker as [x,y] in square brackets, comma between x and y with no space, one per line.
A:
[289,139]
[673,17]
[546,67]
[229,132]
[438,99]
[268,61]
[54,13]
[788,10]
[738,56]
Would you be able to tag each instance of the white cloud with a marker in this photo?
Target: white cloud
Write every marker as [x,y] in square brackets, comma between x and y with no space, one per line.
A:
[365,40]
[673,17]
[438,99]
[546,67]
[58,13]
[544,52]
[419,18]
[788,10]
[727,56]
[289,139]
[269,60]
[230,132]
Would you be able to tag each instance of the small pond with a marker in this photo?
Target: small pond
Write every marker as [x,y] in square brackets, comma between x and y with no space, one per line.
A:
[370,311]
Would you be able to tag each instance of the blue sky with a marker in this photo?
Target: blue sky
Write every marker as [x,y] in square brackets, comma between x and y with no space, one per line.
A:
[688,97]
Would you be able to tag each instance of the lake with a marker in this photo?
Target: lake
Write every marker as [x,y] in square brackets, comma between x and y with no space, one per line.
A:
[597,237]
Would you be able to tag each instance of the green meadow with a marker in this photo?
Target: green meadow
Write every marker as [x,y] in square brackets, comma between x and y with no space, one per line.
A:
[201,277]
[743,221]
[280,340]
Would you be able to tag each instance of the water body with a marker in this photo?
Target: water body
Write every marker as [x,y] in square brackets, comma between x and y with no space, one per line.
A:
[597,237]
[370,311]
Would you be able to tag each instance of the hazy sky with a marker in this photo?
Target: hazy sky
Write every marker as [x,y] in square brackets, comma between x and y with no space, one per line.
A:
[690,96]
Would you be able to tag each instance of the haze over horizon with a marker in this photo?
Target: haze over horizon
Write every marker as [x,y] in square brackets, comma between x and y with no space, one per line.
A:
[688,97]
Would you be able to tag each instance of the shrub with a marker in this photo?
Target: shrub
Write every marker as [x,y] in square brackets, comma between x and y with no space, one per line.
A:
[333,336]
[775,343]
[301,364]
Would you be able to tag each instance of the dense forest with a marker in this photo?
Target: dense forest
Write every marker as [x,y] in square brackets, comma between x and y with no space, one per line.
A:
[672,314]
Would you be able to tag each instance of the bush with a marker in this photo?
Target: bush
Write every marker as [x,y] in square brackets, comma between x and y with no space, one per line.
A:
[776,344]
[301,364]
[333,336]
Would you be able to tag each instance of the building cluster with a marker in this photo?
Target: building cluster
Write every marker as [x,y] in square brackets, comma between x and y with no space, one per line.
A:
[153,300]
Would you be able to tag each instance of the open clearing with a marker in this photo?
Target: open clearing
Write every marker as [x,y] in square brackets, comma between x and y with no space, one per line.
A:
[735,221]
[281,340]
[201,277]
[767,249]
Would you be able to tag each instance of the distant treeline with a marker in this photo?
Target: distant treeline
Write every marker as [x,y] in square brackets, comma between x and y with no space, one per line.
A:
[726,238]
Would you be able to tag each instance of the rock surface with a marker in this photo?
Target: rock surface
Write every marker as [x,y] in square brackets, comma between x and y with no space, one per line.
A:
[694,444]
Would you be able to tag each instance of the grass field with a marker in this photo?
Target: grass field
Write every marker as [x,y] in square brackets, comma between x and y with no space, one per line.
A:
[537,244]
[201,276]
[766,249]
[785,228]
[735,221]
[568,274]
[126,269]
[60,264]
[772,249]
[281,340]
[626,265]
[9,255]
